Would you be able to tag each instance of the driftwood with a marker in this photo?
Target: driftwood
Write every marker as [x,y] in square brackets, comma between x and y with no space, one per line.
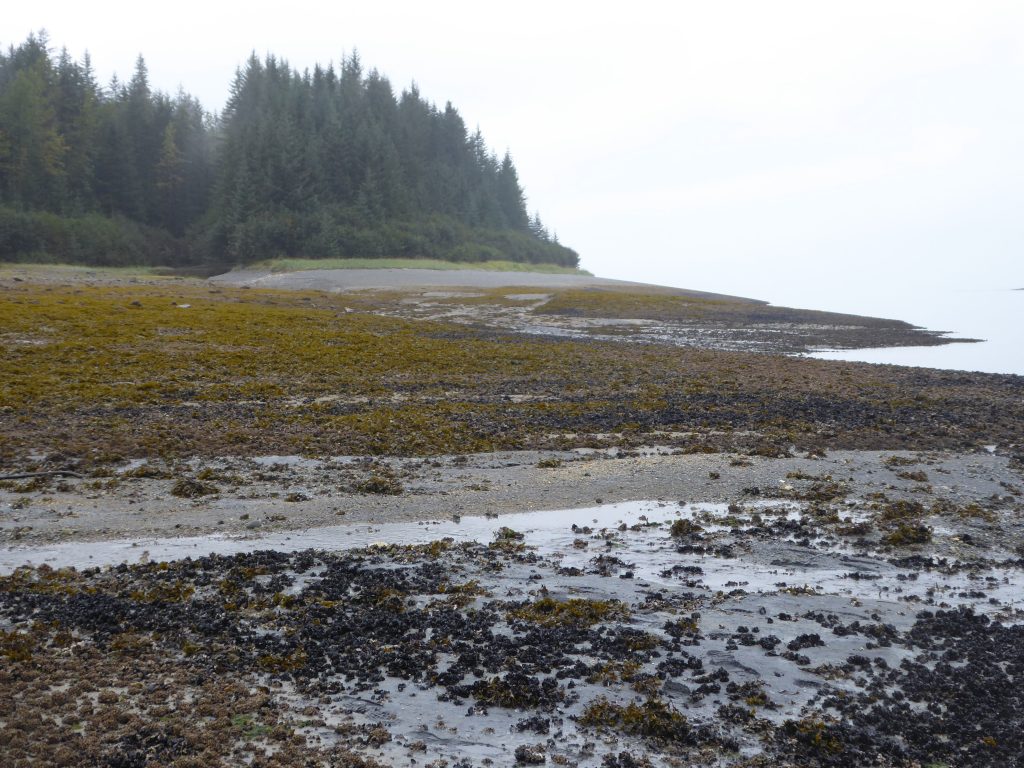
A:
[49,473]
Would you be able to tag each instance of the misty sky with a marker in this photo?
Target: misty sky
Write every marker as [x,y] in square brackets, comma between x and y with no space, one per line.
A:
[800,152]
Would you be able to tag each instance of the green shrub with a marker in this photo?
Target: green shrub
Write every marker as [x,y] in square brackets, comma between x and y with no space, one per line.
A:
[91,239]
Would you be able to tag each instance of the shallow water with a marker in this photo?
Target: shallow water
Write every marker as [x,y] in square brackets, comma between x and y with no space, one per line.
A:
[633,532]
[996,316]
[547,528]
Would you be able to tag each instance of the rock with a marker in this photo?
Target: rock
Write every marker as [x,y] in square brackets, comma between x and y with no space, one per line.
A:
[530,754]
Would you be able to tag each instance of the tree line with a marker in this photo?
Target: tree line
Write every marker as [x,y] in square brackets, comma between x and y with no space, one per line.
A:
[328,163]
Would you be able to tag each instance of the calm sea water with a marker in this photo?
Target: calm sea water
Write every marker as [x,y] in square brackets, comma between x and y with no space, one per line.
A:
[996,316]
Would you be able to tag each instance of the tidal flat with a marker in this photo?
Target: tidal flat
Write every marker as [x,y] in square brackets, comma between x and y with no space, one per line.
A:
[242,526]
[817,621]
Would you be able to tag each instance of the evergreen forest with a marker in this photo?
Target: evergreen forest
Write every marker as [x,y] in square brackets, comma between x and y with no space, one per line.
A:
[328,163]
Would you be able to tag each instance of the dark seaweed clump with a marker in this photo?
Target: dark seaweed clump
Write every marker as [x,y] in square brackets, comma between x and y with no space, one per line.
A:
[958,702]
[176,663]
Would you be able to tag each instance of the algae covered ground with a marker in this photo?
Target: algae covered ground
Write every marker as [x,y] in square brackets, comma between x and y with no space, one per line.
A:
[176,368]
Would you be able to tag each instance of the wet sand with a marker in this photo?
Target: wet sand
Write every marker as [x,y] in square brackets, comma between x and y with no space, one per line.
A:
[336,280]
[250,496]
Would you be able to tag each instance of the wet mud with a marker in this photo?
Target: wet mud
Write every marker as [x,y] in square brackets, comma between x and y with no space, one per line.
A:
[139,501]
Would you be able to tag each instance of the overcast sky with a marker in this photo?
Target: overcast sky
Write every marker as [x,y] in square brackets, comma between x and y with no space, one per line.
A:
[786,150]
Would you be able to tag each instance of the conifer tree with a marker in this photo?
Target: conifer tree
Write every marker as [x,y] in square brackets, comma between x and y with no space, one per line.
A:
[32,163]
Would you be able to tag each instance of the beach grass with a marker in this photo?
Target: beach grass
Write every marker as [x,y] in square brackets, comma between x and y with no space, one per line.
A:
[296,265]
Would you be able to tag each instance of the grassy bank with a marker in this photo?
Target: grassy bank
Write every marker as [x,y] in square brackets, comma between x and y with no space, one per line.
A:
[294,265]
[180,369]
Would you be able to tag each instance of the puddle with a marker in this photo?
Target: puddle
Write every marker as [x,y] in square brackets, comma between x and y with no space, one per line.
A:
[631,538]
[548,529]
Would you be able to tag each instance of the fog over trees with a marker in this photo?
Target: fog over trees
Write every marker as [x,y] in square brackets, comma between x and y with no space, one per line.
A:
[328,163]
